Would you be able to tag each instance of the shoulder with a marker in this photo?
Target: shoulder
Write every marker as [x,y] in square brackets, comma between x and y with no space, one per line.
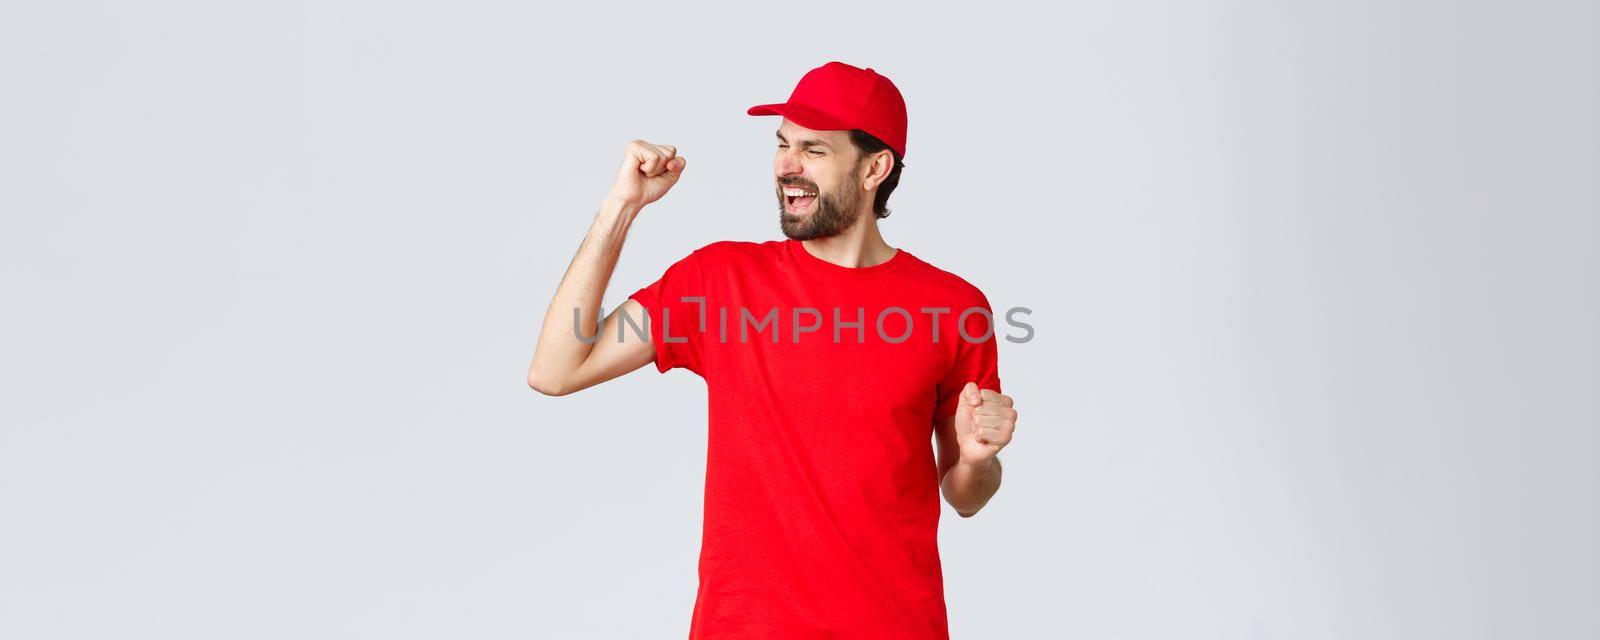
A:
[734,251]
[737,247]
[948,285]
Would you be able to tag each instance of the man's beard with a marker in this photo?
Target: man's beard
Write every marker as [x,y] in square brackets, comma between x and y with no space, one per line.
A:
[829,216]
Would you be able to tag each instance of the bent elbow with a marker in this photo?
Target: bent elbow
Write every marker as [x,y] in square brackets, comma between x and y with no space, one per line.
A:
[543,384]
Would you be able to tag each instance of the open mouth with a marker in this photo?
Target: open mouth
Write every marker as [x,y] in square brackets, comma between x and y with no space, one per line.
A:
[798,200]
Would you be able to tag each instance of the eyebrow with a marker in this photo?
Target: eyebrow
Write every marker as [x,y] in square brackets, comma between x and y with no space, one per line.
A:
[806,143]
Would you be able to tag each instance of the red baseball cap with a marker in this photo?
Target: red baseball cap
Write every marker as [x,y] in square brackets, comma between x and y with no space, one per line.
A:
[839,96]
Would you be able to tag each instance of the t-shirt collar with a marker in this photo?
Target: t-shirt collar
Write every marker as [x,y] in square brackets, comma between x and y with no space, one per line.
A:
[803,257]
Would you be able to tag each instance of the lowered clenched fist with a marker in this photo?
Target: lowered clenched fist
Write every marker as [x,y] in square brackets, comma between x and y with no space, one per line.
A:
[984,422]
[648,171]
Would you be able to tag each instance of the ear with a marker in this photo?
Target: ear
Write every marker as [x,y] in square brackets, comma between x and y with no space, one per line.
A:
[878,166]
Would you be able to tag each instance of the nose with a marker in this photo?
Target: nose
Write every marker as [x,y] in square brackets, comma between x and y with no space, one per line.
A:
[787,164]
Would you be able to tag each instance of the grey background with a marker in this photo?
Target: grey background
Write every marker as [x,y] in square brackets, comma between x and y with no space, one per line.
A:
[1314,284]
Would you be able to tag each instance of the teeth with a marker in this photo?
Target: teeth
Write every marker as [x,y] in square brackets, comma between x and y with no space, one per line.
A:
[798,192]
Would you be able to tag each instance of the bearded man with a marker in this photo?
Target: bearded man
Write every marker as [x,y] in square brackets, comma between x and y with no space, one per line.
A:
[822,486]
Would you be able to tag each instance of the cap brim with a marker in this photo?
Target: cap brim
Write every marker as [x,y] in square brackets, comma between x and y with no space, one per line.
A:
[802,115]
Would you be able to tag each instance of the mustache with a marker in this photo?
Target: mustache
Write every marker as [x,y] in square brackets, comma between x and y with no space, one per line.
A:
[799,185]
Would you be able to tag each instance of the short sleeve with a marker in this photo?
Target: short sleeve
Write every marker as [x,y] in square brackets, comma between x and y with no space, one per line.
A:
[977,356]
[674,303]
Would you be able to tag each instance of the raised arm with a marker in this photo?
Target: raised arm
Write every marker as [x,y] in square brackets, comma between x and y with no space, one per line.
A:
[564,361]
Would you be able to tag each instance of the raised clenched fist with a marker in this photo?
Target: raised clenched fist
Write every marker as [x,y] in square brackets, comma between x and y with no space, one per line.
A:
[985,420]
[648,171]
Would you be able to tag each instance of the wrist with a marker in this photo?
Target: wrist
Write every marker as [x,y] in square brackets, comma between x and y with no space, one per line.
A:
[614,207]
[978,466]
[613,220]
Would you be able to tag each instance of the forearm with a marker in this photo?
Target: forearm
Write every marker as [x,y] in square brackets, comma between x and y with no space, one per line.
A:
[968,487]
[560,350]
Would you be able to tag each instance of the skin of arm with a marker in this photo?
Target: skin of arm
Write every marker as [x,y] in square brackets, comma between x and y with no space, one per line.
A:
[563,362]
[968,443]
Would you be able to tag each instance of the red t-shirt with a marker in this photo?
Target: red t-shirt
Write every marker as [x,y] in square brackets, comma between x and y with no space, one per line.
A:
[822,497]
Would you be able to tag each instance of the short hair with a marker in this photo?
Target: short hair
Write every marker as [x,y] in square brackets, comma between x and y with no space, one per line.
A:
[867,143]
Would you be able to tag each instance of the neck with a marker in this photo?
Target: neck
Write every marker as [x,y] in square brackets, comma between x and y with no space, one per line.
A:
[859,246]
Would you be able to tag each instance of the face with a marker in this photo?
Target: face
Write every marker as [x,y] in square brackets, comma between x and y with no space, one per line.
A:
[816,176]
